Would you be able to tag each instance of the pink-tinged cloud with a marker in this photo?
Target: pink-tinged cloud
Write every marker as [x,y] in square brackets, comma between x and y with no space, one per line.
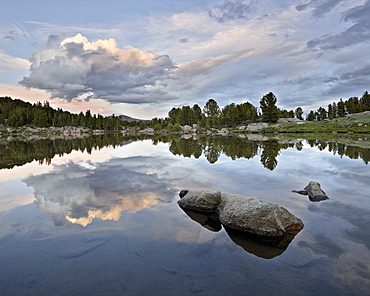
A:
[77,67]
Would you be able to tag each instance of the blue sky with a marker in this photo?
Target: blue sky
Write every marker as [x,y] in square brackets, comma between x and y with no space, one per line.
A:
[141,58]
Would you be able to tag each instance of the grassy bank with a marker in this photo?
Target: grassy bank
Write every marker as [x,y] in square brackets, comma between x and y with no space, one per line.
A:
[358,140]
[355,123]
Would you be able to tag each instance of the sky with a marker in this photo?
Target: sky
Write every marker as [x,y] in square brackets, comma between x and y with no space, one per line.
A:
[142,58]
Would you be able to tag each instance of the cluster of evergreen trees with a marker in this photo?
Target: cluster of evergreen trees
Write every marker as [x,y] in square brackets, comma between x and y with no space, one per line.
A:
[341,108]
[212,114]
[234,114]
[230,115]
[17,113]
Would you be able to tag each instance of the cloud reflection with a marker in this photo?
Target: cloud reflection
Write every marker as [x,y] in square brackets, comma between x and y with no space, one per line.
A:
[357,216]
[323,245]
[81,194]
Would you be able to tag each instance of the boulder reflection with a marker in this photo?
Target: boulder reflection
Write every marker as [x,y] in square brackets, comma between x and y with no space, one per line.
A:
[209,221]
[260,246]
[264,247]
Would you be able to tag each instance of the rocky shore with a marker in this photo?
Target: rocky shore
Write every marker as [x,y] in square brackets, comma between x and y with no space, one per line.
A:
[32,133]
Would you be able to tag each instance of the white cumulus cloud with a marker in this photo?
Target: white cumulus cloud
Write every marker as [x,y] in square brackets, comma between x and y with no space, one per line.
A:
[77,67]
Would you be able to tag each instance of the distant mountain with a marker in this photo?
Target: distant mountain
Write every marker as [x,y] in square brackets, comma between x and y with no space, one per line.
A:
[128,118]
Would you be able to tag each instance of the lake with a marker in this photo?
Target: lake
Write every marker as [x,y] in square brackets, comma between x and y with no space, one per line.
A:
[99,216]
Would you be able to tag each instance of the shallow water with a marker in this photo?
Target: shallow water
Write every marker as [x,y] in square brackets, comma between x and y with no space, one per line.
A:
[106,222]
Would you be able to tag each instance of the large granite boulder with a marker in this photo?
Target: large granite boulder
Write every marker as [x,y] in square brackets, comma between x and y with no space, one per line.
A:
[245,213]
[287,120]
[256,126]
[254,215]
[187,129]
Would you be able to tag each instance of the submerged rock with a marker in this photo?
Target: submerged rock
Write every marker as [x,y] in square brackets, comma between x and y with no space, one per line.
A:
[314,192]
[245,213]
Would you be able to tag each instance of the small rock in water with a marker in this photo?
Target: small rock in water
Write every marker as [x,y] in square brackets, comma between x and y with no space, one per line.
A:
[314,192]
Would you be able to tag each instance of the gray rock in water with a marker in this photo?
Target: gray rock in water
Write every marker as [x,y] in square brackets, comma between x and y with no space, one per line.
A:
[254,215]
[200,200]
[314,192]
[243,213]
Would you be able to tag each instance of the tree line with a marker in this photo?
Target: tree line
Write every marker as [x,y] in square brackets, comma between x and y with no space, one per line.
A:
[18,113]
[212,115]
[341,108]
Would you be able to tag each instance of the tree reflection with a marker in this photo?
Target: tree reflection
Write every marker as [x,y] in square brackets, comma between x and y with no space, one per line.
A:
[269,155]
[20,152]
[233,147]
[353,152]
[212,152]
[186,147]
[236,147]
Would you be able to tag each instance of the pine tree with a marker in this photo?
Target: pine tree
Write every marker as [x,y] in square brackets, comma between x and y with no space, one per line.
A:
[212,111]
[341,108]
[365,101]
[298,113]
[321,114]
[334,110]
[270,112]
[211,108]
[198,112]
[311,116]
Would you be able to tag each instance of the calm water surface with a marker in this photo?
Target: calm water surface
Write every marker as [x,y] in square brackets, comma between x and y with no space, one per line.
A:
[106,222]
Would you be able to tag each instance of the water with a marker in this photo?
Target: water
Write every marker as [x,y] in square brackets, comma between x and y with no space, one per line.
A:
[103,219]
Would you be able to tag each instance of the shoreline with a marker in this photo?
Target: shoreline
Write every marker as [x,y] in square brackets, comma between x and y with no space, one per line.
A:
[353,129]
